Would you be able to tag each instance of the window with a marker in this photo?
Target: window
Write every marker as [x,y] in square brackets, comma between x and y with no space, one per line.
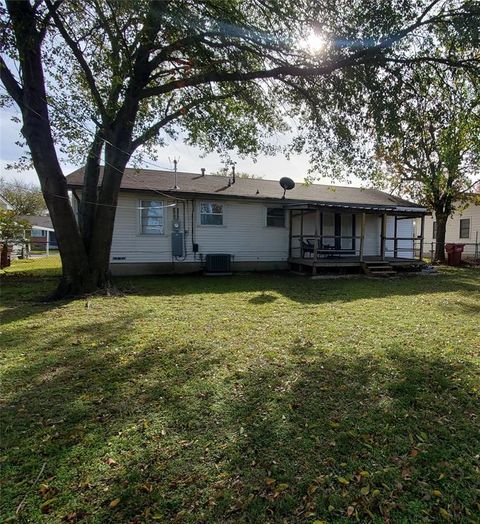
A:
[151,217]
[275,217]
[211,214]
[434,232]
[39,233]
[464,228]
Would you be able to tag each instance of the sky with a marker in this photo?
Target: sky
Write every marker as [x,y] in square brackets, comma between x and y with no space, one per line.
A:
[190,159]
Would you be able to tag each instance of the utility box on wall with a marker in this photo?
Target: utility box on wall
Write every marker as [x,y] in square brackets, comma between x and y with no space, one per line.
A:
[177,244]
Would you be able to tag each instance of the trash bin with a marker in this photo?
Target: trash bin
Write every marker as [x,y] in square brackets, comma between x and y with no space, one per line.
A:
[454,254]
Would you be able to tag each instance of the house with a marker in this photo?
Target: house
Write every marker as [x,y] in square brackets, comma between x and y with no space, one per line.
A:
[463,228]
[42,235]
[168,222]
[5,204]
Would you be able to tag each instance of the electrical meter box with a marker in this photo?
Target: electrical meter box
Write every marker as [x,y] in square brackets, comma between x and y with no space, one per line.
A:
[177,244]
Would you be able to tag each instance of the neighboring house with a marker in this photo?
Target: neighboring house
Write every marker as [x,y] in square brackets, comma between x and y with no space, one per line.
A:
[463,228]
[42,234]
[160,228]
[4,203]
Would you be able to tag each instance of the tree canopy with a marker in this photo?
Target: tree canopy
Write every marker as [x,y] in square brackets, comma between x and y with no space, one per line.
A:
[430,149]
[25,198]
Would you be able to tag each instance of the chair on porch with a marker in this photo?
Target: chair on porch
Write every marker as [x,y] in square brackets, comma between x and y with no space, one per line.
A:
[307,248]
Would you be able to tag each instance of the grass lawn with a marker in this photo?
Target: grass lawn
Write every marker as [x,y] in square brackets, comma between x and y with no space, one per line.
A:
[252,398]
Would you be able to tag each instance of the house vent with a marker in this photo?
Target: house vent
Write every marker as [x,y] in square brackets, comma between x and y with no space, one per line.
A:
[218,264]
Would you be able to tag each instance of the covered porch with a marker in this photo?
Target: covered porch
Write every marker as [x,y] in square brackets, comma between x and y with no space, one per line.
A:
[323,236]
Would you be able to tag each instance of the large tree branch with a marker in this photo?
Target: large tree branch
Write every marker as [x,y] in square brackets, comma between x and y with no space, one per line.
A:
[11,85]
[362,56]
[79,56]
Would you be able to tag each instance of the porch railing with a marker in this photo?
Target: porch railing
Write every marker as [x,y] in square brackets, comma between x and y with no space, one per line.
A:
[328,246]
[325,246]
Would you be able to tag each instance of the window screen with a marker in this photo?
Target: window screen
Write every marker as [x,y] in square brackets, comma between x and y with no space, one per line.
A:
[151,217]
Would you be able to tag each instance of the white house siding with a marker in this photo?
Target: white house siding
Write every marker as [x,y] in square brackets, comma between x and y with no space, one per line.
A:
[372,234]
[244,233]
[453,229]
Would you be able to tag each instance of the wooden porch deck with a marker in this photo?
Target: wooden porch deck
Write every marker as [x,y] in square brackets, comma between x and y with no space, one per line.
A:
[354,261]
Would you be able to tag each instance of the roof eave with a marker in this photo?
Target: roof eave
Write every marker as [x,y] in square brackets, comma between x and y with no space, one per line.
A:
[175,194]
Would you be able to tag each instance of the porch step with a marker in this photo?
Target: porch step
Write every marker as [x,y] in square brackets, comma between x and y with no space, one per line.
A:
[378,269]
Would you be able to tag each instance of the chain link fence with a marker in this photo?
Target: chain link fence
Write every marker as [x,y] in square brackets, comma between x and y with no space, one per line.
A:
[471,251]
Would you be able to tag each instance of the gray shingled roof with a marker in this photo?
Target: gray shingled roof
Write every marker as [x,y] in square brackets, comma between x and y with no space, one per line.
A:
[38,220]
[253,189]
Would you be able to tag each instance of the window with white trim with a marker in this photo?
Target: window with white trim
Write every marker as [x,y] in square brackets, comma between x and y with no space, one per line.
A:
[211,214]
[275,217]
[151,217]
[464,228]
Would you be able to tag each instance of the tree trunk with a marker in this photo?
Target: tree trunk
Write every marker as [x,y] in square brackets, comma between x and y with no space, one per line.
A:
[84,250]
[441,220]
[116,159]
[32,100]
[87,205]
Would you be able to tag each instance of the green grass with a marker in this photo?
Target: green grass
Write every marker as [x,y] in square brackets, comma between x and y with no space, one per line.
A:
[252,398]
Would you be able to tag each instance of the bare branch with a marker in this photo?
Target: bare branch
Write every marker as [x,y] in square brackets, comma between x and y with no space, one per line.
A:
[79,56]
[152,131]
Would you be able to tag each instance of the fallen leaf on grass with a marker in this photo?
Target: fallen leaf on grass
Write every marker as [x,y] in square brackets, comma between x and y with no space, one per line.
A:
[343,480]
[436,493]
[444,514]
[365,490]
[46,507]
[114,503]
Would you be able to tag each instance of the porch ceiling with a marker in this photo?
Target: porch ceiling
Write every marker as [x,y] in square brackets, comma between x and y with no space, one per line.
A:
[376,210]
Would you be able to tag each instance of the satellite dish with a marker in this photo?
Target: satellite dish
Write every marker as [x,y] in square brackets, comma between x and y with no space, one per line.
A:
[287,184]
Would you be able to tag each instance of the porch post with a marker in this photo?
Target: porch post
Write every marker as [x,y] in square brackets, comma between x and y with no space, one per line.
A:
[47,247]
[382,238]
[395,235]
[422,235]
[290,226]
[301,233]
[317,223]
[362,236]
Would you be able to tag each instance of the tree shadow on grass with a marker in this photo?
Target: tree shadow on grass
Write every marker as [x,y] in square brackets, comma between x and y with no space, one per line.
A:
[179,433]
[66,406]
[319,439]
[303,290]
